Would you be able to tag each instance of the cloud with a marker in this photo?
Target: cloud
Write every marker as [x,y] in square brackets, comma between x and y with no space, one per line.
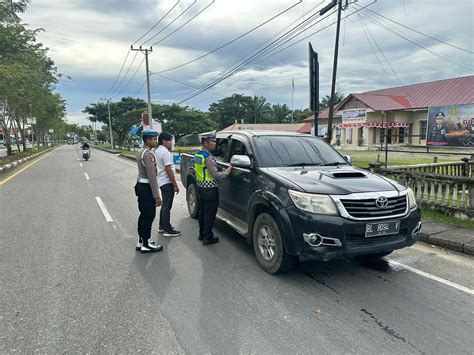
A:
[89,40]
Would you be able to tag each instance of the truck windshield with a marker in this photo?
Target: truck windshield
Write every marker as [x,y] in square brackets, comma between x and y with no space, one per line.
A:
[273,151]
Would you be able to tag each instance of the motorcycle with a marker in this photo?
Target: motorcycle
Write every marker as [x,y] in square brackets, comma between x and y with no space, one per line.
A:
[86,154]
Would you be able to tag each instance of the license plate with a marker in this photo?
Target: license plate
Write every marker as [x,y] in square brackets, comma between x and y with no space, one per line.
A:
[381,228]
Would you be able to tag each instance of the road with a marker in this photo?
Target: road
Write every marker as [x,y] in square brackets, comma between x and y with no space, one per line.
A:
[72,281]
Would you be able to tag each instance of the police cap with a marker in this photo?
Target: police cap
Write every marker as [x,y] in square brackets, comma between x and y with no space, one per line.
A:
[149,133]
[207,135]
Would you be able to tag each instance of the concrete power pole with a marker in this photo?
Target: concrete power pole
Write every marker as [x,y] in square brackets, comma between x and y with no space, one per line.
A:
[110,121]
[146,51]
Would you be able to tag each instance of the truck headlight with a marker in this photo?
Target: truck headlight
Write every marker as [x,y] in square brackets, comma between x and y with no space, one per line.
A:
[321,204]
[411,198]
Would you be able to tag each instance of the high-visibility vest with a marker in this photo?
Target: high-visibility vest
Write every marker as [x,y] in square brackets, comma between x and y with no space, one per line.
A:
[200,166]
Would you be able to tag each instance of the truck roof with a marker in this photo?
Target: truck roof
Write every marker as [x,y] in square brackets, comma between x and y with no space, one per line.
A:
[262,133]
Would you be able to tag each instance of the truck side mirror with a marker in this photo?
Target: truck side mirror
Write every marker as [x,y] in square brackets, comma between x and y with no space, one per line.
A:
[348,158]
[241,161]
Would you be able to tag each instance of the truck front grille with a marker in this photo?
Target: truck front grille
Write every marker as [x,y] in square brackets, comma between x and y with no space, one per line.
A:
[367,208]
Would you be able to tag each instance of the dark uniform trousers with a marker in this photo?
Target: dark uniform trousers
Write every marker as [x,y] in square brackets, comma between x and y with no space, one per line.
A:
[208,204]
[167,194]
[147,208]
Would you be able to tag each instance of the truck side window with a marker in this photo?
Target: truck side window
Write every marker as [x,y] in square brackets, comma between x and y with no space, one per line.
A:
[237,148]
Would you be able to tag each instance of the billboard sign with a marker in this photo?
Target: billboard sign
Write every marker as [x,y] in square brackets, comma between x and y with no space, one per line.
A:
[450,126]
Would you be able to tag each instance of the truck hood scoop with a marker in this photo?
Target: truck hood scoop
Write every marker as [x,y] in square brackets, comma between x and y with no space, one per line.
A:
[347,174]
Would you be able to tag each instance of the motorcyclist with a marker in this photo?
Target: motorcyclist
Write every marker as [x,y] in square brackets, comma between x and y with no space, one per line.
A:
[85,145]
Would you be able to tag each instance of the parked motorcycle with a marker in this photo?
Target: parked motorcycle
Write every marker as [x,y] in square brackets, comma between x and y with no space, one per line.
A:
[86,154]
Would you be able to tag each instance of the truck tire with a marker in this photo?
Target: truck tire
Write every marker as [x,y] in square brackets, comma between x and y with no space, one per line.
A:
[268,246]
[192,200]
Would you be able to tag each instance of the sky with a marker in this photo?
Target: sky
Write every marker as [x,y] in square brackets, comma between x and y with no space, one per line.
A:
[89,40]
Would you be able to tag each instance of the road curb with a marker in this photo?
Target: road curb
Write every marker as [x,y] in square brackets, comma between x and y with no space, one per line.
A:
[435,239]
[9,166]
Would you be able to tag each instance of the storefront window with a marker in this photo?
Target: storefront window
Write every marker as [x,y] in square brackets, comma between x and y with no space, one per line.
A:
[401,134]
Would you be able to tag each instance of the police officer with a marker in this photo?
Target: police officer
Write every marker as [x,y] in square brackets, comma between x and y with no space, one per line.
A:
[439,131]
[207,175]
[147,191]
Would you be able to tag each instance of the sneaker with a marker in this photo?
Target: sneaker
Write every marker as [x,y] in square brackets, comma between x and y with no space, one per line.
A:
[172,233]
[139,244]
[150,248]
[160,229]
[210,241]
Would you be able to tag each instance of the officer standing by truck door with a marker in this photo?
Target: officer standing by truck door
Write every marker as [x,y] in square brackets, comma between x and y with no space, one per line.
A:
[206,179]
[147,191]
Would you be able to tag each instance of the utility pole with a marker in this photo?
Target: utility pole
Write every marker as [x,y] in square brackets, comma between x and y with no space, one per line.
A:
[314,86]
[146,51]
[110,122]
[334,68]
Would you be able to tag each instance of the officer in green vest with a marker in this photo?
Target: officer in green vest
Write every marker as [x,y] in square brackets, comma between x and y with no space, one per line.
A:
[207,175]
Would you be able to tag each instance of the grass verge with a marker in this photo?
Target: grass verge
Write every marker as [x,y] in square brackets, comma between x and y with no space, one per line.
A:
[444,218]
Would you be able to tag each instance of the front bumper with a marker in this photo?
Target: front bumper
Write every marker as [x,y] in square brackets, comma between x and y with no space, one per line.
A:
[342,237]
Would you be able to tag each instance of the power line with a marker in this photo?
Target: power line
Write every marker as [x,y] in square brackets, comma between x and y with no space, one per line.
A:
[314,33]
[130,80]
[183,83]
[421,33]
[141,88]
[120,72]
[169,24]
[247,61]
[231,41]
[184,24]
[380,50]
[441,56]
[373,50]
[158,22]
[125,75]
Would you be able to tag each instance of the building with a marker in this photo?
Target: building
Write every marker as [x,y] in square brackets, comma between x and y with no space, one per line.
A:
[361,119]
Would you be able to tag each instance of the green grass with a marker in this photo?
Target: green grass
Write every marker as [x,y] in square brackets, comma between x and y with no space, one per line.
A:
[12,158]
[444,218]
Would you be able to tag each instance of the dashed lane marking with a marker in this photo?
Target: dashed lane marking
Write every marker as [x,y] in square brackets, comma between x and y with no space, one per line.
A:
[87,176]
[81,165]
[106,213]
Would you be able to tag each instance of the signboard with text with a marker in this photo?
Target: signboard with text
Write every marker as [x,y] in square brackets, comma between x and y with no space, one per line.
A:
[450,126]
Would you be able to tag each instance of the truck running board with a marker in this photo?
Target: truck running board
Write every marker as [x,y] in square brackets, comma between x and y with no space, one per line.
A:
[237,224]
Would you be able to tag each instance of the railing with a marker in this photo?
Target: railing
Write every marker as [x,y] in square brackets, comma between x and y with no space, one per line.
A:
[462,168]
[451,193]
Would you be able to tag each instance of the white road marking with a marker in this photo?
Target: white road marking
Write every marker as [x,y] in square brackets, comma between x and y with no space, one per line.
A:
[106,213]
[87,176]
[432,277]
[81,165]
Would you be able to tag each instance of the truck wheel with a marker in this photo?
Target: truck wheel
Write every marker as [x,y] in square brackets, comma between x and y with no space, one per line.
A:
[268,246]
[192,200]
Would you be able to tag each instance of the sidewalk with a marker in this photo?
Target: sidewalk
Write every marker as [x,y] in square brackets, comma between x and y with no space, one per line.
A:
[448,236]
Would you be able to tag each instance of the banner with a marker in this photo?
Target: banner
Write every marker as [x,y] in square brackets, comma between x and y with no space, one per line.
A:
[450,126]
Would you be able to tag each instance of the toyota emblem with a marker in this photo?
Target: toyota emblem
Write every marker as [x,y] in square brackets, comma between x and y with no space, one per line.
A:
[381,202]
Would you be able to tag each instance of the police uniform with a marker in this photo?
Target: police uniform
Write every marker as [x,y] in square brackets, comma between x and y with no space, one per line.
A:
[147,191]
[207,175]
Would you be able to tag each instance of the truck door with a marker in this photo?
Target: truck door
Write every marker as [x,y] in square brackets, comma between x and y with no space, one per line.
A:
[235,190]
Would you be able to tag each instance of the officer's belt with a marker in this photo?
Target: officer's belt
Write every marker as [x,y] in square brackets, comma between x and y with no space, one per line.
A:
[143,181]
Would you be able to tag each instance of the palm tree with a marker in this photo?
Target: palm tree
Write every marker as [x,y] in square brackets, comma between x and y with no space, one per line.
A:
[281,113]
[259,109]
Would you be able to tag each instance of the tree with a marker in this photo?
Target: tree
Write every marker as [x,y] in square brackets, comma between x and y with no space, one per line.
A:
[230,109]
[281,113]
[259,109]
[124,114]
[338,96]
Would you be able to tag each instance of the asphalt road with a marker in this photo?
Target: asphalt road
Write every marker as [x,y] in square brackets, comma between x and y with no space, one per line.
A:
[71,281]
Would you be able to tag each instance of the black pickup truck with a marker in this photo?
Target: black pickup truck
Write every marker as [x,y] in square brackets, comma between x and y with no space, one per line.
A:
[293,196]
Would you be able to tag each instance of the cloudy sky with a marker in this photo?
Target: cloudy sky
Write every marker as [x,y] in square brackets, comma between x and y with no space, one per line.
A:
[89,41]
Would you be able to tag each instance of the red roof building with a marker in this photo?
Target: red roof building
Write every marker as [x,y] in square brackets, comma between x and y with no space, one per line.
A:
[360,119]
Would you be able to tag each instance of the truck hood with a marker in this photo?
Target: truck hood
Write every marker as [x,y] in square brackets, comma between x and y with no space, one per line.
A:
[341,180]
